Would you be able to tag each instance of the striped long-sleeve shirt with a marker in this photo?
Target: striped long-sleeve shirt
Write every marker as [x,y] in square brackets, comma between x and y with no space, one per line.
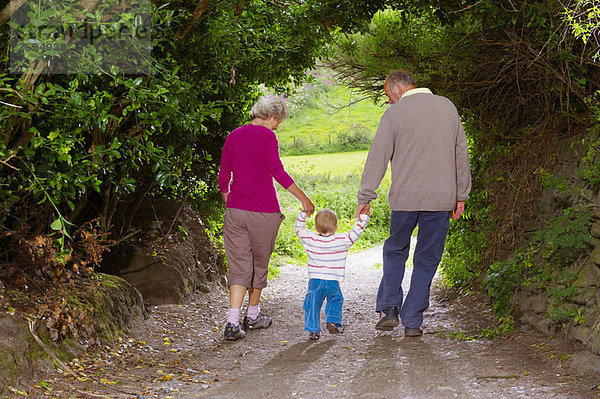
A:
[327,254]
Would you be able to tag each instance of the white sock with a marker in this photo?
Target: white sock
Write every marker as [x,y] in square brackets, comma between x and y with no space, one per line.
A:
[233,316]
[253,311]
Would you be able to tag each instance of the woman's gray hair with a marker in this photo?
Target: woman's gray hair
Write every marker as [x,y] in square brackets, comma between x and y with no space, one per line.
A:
[402,78]
[269,106]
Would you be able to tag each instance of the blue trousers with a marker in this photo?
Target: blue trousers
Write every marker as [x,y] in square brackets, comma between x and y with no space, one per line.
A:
[318,291]
[431,237]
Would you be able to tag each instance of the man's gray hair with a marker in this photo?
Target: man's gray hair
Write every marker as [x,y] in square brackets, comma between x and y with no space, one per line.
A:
[402,78]
[269,106]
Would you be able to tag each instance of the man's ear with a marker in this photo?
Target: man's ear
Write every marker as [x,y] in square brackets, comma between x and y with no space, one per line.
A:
[399,89]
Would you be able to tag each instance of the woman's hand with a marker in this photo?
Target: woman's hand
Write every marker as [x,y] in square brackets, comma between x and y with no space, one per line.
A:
[225,195]
[308,207]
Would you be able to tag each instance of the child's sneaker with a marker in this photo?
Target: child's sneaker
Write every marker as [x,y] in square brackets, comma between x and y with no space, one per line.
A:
[334,328]
[261,321]
[314,336]
[233,332]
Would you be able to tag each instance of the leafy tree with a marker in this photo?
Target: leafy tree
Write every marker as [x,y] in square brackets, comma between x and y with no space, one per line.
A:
[583,17]
[106,102]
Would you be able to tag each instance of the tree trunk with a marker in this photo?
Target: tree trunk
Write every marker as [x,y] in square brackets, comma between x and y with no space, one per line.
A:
[127,211]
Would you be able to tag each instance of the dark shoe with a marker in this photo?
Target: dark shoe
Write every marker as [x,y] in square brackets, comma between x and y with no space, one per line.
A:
[389,319]
[412,332]
[334,328]
[233,332]
[314,336]
[261,321]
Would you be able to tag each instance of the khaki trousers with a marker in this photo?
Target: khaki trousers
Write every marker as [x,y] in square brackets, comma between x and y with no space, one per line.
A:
[249,239]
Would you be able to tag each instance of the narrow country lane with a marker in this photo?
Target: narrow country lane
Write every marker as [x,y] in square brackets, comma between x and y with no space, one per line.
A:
[180,354]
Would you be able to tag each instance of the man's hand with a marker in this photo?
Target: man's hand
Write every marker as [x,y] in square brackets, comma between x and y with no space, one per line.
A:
[363,209]
[458,210]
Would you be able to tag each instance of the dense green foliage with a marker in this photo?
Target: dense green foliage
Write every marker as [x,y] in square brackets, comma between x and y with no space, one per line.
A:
[583,17]
[100,142]
[522,75]
[544,263]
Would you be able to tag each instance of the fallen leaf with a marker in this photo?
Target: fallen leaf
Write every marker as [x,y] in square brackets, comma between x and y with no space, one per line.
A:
[17,391]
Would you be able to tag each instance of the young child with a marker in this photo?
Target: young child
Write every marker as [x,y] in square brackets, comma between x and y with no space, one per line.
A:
[326,253]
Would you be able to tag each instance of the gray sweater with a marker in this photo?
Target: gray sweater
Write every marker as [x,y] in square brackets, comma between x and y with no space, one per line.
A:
[423,138]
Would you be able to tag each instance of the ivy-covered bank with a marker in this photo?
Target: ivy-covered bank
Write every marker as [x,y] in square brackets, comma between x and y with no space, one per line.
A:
[553,278]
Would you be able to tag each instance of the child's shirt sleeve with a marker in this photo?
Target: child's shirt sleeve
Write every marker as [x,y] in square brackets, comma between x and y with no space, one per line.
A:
[300,226]
[358,228]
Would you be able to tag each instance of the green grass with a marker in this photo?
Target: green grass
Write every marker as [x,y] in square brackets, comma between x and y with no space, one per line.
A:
[339,164]
[337,193]
[324,118]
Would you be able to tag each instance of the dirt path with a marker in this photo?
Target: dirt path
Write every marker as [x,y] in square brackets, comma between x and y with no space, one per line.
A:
[180,353]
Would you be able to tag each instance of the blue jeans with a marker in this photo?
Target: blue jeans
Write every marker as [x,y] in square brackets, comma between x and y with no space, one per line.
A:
[433,228]
[318,291]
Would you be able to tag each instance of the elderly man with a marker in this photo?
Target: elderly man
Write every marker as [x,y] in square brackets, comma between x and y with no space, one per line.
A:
[421,135]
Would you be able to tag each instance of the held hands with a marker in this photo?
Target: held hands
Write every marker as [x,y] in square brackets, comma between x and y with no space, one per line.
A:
[308,207]
[363,209]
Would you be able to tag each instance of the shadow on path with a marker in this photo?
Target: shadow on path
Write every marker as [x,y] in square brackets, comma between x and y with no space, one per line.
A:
[280,376]
[402,367]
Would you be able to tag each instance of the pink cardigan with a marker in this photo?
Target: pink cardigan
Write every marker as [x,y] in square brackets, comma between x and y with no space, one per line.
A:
[251,155]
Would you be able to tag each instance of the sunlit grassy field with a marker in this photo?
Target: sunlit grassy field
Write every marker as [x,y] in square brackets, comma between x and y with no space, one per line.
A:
[331,181]
[338,164]
[327,117]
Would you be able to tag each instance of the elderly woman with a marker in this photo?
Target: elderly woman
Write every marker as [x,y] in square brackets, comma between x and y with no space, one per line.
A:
[253,215]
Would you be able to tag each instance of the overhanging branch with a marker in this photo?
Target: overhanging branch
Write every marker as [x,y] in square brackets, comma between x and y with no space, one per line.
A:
[200,8]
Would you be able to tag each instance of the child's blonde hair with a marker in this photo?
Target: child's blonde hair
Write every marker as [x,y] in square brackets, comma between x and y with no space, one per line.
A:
[326,222]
